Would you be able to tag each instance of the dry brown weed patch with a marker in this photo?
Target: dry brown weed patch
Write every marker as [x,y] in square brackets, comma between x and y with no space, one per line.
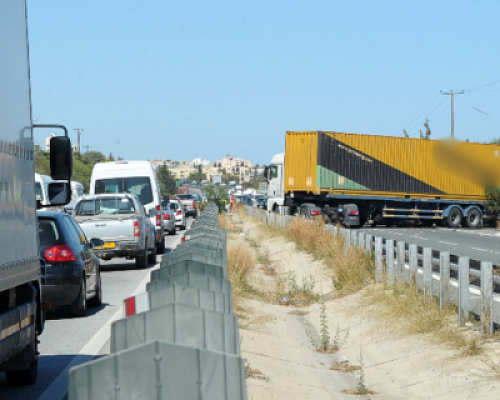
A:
[351,270]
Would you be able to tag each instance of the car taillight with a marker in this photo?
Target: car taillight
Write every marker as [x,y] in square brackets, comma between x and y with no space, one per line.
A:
[194,204]
[60,253]
[166,217]
[179,212]
[314,212]
[158,216]
[354,213]
[137,229]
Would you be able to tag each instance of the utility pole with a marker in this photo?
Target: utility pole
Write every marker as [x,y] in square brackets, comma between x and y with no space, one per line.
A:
[87,147]
[78,132]
[452,94]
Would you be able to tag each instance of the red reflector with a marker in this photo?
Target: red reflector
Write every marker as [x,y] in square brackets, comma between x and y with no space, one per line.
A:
[130,306]
[354,213]
[60,253]
[314,212]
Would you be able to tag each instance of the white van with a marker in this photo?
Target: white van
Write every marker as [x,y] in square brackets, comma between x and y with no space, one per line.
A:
[41,188]
[136,177]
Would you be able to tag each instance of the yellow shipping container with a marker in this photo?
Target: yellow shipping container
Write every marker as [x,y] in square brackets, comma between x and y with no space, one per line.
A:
[337,163]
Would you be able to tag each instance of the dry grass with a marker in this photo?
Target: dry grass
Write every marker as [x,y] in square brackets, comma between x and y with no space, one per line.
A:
[344,367]
[351,270]
[240,262]
[408,312]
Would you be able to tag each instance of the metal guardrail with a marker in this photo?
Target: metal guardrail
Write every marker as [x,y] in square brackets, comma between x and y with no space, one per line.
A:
[470,284]
[180,339]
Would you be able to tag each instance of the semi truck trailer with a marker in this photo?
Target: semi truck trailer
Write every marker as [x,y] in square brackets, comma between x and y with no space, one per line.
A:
[355,179]
[21,302]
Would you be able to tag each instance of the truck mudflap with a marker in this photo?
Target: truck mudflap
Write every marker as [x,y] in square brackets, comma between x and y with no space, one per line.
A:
[17,331]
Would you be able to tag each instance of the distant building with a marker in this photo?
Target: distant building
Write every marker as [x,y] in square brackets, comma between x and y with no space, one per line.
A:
[47,142]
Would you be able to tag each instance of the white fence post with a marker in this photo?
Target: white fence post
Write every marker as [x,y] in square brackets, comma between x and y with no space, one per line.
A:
[412,272]
[389,260]
[378,259]
[361,240]
[427,264]
[368,244]
[463,289]
[444,279]
[486,297]
[400,269]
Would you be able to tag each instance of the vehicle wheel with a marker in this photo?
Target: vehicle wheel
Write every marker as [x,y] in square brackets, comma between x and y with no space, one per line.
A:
[96,301]
[152,256]
[141,260]
[454,218]
[182,227]
[79,306]
[473,218]
[173,231]
[24,377]
[160,249]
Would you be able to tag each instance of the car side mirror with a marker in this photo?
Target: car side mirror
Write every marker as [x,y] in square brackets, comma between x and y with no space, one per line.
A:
[94,242]
[59,193]
[152,213]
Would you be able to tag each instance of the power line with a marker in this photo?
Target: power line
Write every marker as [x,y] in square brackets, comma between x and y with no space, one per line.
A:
[418,116]
[482,86]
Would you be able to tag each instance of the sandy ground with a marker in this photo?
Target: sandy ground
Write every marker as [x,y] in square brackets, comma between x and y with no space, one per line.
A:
[278,344]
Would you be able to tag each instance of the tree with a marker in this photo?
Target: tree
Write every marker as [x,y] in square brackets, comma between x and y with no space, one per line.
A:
[495,141]
[428,132]
[110,157]
[493,203]
[166,180]
[217,194]
[198,175]
[406,133]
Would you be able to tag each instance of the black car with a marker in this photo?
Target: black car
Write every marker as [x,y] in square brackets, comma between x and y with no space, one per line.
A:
[70,268]
[261,202]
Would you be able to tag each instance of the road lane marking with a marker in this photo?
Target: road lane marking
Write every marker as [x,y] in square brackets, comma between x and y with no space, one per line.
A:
[59,386]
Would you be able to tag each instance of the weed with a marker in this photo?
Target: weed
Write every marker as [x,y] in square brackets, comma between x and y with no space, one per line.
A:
[240,261]
[325,335]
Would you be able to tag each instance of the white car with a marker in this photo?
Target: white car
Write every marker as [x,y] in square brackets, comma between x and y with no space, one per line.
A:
[180,216]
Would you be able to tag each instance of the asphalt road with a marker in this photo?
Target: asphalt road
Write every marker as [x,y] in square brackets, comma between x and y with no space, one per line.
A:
[481,244]
[71,341]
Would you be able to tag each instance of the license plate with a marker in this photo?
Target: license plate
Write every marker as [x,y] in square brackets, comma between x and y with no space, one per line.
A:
[107,245]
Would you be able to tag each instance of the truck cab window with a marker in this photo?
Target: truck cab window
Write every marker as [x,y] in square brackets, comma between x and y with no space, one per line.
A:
[274,171]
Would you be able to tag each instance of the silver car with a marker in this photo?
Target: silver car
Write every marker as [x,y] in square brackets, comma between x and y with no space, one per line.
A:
[180,216]
[188,202]
[168,218]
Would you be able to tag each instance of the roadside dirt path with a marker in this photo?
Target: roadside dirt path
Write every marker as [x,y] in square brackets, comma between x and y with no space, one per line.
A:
[279,341]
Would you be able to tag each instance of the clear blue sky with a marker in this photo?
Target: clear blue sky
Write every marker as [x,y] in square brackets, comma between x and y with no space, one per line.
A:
[158,79]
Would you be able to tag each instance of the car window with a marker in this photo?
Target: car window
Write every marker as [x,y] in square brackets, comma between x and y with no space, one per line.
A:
[111,205]
[75,236]
[185,196]
[48,231]
[38,192]
[79,230]
[140,186]
[174,205]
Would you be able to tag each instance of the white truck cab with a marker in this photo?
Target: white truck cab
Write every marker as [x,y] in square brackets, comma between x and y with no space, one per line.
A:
[276,175]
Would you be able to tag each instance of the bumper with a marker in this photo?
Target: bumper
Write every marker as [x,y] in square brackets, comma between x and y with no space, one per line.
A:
[61,291]
[121,249]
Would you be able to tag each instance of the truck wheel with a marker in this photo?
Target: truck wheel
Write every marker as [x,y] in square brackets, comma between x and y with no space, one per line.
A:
[141,260]
[96,301]
[473,218]
[454,218]
[152,256]
[79,306]
[25,377]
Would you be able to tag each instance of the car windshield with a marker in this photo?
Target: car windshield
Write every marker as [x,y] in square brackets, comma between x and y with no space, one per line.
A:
[174,205]
[141,186]
[47,231]
[38,192]
[185,196]
[109,205]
